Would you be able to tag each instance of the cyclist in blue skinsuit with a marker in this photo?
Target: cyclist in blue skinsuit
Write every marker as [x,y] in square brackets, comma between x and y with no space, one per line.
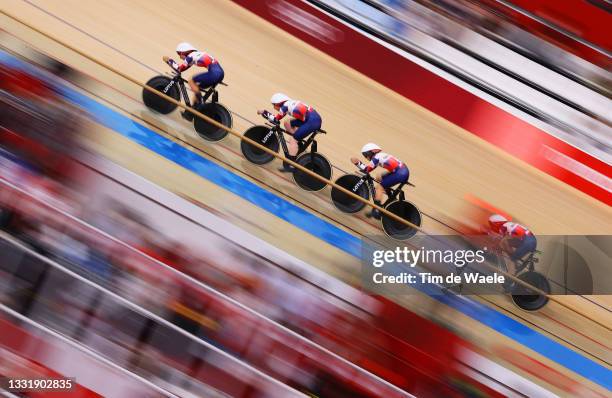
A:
[395,172]
[304,121]
[191,56]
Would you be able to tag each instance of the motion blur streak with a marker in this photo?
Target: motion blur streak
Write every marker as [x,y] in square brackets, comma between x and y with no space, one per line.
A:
[123,232]
[333,235]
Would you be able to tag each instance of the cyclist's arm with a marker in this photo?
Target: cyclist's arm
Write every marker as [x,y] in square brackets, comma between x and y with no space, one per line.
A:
[371,165]
[281,113]
[184,65]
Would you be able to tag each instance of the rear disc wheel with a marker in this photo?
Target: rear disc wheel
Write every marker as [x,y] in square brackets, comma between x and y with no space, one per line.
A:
[218,113]
[396,229]
[525,298]
[316,163]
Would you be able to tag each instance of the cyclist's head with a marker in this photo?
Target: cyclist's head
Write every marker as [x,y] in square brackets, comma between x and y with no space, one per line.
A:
[369,149]
[278,99]
[496,221]
[183,49]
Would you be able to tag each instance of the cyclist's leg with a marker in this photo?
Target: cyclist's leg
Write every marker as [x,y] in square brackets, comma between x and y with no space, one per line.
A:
[195,83]
[293,126]
[214,75]
[528,245]
[386,180]
[389,180]
[311,124]
[197,96]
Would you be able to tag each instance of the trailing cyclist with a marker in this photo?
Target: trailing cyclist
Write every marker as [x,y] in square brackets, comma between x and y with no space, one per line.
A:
[516,240]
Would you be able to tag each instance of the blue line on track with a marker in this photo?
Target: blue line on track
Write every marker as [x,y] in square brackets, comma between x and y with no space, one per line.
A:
[325,231]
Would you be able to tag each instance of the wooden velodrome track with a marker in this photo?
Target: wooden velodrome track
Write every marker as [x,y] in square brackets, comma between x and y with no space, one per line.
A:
[259,59]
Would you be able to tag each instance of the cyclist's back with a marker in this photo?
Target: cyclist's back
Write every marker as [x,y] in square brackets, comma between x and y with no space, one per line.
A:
[519,237]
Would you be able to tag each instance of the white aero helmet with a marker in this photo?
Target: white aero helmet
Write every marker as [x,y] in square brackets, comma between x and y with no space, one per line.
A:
[368,148]
[497,219]
[279,98]
[184,47]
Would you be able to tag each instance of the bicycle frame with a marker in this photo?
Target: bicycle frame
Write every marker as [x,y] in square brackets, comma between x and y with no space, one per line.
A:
[280,135]
[177,79]
[526,262]
[181,83]
[392,194]
[500,260]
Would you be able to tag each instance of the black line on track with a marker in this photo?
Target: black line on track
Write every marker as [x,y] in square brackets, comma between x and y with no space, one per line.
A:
[536,326]
[49,13]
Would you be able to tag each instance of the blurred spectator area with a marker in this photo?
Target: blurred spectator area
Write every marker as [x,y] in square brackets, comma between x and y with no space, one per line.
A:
[241,316]
[578,26]
[121,241]
[273,296]
[28,349]
[533,28]
[217,301]
[37,124]
[554,86]
[178,302]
